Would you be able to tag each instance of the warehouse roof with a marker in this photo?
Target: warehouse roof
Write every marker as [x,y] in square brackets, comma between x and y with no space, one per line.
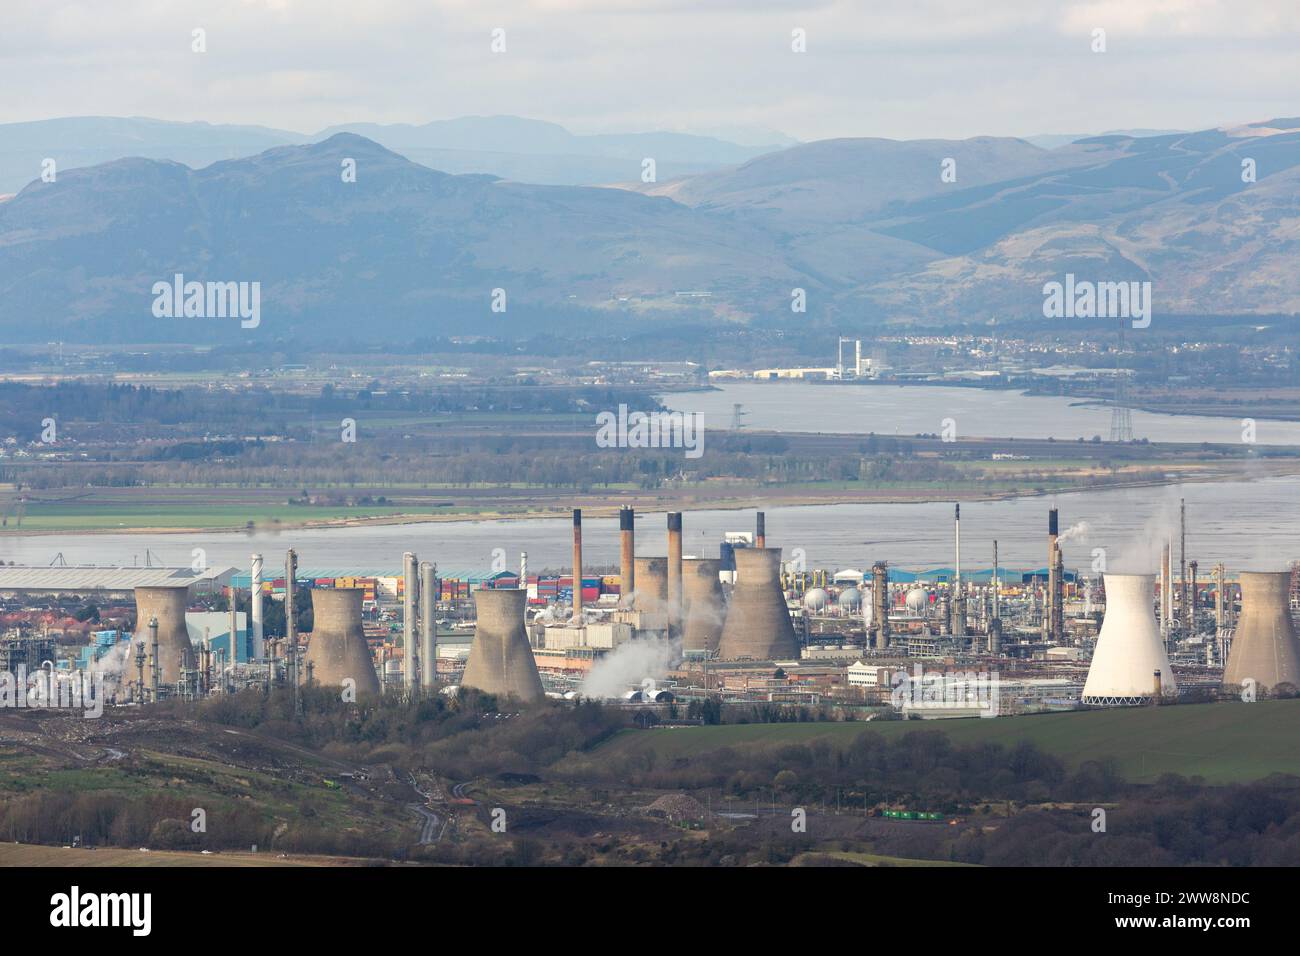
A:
[90,578]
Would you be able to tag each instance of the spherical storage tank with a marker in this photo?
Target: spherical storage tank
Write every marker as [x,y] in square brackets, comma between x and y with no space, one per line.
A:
[815,599]
[917,599]
[850,599]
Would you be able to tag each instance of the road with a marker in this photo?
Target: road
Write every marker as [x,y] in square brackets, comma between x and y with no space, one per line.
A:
[431,819]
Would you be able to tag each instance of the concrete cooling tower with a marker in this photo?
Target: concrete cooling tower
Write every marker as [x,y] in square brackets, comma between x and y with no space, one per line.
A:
[704,607]
[337,649]
[1129,650]
[500,659]
[1264,648]
[758,624]
[651,576]
[167,604]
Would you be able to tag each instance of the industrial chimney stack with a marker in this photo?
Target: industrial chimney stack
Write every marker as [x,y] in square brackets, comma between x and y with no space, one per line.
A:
[674,573]
[577,565]
[880,603]
[255,607]
[627,556]
[760,531]
[428,626]
[410,639]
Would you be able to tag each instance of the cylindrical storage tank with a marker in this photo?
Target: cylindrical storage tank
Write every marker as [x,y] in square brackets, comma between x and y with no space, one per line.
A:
[500,659]
[1129,649]
[704,607]
[815,600]
[337,650]
[167,604]
[1264,647]
[651,584]
[758,624]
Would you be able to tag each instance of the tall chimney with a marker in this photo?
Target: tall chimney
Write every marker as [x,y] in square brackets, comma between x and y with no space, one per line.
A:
[577,565]
[627,556]
[958,608]
[760,531]
[880,600]
[1049,610]
[290,619]
[255,599]
[995,625]
[428,629]
[523,570]
[1183,605]
[674,573]
[410,642]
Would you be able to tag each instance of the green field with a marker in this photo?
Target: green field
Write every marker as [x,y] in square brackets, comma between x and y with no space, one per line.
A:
[1226,742]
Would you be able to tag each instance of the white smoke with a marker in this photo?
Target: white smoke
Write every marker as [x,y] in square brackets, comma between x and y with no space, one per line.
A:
[113,667]
[629,664]
[1080,529]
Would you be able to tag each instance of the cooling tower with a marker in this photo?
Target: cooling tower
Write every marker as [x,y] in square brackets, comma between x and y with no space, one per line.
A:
[651,576]
[167,604]
[1129,650]
[703,606]
[1264,648]
[337,649]
[500,659]
[758,624]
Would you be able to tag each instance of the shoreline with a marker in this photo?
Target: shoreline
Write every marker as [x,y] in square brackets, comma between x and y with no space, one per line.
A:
[666,504]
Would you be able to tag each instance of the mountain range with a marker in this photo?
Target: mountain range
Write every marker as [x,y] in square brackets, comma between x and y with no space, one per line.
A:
[524,150]
[870,228]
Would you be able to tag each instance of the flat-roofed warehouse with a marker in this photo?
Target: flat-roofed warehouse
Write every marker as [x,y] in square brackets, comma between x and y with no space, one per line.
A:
[114,582]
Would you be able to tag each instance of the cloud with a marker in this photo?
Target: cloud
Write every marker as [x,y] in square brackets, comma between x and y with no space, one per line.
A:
[930,68]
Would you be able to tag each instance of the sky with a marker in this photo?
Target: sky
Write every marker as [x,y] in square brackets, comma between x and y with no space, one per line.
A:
[895,68]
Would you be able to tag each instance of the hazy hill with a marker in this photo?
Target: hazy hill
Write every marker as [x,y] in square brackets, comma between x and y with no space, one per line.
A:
[508,146]
[867,227]
[402,250]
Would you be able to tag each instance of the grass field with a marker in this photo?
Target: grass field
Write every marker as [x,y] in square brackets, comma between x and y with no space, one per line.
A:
[26,854]
[1226,742]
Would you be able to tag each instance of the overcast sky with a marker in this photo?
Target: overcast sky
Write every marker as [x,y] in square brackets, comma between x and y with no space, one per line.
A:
[897,68]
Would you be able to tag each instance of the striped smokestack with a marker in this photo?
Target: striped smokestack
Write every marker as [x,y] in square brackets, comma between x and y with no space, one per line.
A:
[577,564]
[674,573]
[627,555]
[760,531]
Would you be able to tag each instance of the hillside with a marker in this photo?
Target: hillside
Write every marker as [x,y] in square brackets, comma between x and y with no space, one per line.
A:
[1224,743]
[867,227]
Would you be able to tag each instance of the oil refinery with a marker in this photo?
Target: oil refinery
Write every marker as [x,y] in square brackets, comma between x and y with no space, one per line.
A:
[740,625]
